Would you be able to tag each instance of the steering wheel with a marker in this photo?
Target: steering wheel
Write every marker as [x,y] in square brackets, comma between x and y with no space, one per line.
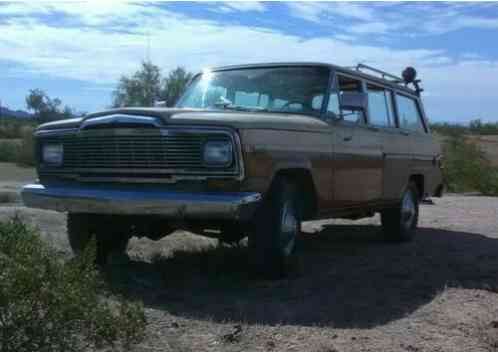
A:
[288,104]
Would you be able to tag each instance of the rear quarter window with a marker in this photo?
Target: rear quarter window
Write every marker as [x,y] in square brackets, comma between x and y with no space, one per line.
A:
[409,114]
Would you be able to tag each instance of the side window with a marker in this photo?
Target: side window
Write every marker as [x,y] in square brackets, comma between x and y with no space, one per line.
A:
[316,102]
[409,115]
[346,84]
[333,106]
[380,106]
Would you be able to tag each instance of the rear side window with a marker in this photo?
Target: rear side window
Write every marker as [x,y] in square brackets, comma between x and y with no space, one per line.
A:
[408,113]
[380,106]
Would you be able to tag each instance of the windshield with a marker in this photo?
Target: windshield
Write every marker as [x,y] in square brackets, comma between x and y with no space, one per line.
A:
[279,89]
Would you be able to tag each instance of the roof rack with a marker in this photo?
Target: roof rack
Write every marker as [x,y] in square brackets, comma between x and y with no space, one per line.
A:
[384,75]
[392,78]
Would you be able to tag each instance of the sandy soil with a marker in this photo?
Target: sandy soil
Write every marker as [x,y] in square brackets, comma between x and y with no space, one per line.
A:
[352,291]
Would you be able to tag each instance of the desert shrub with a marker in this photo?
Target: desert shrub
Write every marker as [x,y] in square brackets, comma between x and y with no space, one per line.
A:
[10,131]
[50,304]
[20,153]
[8,151]
[466,167]
[26,153]
[11,128]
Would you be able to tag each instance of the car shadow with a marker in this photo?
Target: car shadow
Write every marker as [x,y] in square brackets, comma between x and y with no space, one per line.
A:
[348,277]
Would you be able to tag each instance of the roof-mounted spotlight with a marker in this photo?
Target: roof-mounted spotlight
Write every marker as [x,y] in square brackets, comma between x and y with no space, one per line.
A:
[409,74]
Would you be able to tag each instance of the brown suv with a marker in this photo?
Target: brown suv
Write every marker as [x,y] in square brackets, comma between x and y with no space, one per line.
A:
[248,151]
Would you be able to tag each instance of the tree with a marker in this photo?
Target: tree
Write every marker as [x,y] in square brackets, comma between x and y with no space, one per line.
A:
[35,101]
[46,108]
[174,85]
[142,89]
[146,86]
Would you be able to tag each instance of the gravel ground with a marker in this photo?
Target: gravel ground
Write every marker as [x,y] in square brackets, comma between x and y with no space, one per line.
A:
[352,291]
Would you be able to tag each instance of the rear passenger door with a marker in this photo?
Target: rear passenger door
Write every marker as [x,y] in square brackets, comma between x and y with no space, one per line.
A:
[413,125]
[396,146]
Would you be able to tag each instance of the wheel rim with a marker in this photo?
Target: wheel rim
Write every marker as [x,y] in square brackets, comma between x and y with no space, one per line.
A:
[288,229]
[408,210]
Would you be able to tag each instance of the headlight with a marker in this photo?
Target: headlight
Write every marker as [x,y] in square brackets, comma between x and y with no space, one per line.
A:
[218,153]
[52,154]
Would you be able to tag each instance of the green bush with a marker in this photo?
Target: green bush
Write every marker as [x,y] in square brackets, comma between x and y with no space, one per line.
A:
[466,167]
[50,304]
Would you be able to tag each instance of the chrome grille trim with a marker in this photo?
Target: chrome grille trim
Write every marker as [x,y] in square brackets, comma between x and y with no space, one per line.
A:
[172,151]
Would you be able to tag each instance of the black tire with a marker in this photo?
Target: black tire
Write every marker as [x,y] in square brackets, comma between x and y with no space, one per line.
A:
[110,234]
[400,223]
[275,232]
[232,234]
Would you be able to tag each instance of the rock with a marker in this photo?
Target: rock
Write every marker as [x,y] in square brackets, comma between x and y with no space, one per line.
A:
[233,336]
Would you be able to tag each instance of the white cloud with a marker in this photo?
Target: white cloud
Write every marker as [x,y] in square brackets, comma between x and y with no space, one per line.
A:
[245,6]
[396,18]
[91,54]
[306,10]
[326,12]
[98,56]
[370,27]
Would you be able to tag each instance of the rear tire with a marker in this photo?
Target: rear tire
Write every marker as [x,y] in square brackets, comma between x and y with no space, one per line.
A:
[400,223]
[275,232]
[110,236]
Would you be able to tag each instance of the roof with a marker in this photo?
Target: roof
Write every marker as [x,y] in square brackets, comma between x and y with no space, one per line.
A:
[342,69]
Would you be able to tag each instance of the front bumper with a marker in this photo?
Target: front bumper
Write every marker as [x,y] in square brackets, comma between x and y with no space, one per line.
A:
[237,206]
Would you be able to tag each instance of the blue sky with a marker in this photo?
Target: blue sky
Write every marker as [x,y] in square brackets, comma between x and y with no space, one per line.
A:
[78,50]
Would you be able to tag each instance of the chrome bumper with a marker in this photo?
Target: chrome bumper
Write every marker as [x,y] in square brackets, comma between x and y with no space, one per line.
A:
[171,204]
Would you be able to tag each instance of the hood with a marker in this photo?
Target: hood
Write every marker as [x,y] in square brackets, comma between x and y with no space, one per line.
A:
[236,120]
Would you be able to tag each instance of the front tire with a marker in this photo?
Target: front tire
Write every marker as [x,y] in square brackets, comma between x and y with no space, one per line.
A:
[400,223]
[276,230]
[110,235]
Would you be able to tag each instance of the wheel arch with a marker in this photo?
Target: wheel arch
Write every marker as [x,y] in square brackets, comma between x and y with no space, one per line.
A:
[419,181]
[302,177]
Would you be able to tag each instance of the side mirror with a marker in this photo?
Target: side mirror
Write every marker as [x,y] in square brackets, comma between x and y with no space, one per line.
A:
[354,101]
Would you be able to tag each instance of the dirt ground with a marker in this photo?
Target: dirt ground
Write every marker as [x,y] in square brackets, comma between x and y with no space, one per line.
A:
[352,291]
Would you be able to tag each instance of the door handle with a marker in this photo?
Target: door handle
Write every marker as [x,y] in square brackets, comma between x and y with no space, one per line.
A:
[405,133]
[347,138]
[372,128]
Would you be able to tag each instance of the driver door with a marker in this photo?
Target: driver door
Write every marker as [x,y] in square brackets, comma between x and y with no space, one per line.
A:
[357,151]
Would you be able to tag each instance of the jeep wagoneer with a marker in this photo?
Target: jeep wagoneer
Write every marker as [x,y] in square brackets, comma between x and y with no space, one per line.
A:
[249,150]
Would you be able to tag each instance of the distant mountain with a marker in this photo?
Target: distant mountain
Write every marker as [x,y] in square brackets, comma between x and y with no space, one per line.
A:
[21,114]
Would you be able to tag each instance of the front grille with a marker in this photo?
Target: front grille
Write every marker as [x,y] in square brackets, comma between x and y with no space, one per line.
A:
[135,151]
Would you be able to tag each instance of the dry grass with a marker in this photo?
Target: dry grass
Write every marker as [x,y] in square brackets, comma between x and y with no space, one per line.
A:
[489,145]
